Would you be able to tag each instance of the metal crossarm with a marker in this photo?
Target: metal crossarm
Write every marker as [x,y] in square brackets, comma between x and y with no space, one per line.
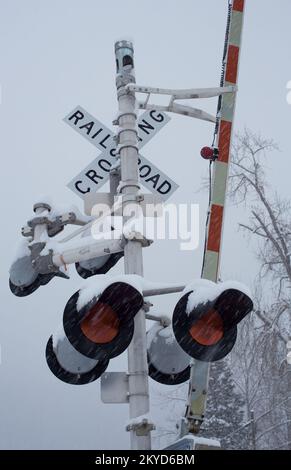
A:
[188,94]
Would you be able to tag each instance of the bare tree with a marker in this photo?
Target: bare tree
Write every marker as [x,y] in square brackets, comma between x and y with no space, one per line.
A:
[255,363]
[270,215]
[262,348]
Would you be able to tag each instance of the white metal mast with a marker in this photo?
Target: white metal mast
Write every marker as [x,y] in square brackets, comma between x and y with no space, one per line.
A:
[128,151]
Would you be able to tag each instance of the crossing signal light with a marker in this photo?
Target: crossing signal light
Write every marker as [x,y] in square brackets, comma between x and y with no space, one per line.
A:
[209,153]
[68,365]
[103,327]
[100,265]
[168,363]
[24,279]
[208,330]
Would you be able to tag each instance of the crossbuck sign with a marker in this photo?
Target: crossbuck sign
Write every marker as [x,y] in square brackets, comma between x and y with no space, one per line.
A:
[95,175]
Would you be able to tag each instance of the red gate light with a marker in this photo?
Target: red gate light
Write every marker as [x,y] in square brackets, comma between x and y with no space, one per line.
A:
[207,153]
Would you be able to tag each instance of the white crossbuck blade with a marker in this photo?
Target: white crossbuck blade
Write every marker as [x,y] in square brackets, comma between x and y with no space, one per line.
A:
[95,175]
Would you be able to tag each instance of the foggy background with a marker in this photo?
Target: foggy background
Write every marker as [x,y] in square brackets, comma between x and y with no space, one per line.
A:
[56,55]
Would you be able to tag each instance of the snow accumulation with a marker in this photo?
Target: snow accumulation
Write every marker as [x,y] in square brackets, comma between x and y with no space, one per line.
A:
[50,245]
[74,244]
[21,249]
[168,334]
[152,334]
[58,209]
[149,285]
[204,291]
[58,335]
[115,165]
[124,38]
[206,441]
[93,287]
[45,198]
[200,440]
[139,419]
[133,226]
[158,330]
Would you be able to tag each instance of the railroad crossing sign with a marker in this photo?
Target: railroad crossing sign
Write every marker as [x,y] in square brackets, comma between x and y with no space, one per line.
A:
[97,172]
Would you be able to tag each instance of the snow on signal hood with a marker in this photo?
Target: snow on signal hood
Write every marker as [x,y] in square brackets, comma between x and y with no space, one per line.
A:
[205,290]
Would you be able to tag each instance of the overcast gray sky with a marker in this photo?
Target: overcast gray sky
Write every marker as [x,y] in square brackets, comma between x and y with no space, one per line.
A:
[55,55]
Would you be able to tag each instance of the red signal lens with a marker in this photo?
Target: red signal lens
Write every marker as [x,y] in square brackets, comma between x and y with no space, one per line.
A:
[208,330]
[207,153]
[101,324]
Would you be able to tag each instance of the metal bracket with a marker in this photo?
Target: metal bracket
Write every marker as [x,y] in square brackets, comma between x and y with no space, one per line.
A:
[142,428]
[124,145]
[174,95]
[54,225]
[123,185]
[197,397]
[151,205]
[162,319]
[146,307]
[138,237]
[115,122]
[44,264]
[114,387]
[41,205]
[190,424]
[121,81]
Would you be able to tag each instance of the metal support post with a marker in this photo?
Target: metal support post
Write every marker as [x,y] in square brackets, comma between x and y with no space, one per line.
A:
[128,151]
[40,230]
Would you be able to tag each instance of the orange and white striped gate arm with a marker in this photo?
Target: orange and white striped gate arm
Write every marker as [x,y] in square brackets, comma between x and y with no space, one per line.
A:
[210,270]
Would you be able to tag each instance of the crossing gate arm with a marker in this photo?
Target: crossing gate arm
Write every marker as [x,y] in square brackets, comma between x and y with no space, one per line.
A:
[200,370]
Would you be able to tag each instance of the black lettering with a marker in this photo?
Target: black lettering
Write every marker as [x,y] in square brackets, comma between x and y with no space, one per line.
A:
[79,189]
[168,188]
[154,179]
[158,118]
[148,170]
[106,162]
[96,133]
[77,115]
[104,140]
[144,127]
[88,127]
[138,161]
[113,152]
[92,175]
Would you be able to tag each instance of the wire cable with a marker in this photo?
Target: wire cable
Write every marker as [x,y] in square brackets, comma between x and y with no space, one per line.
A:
[222,77]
